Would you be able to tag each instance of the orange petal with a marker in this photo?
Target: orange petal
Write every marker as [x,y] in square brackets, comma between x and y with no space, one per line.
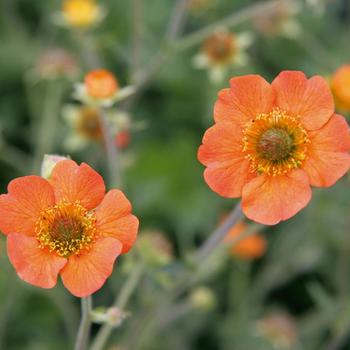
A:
[311,100]
[249,96]
[270,199]
[114,219]
[86,273]
[33,264]
[328,153]
[21,207]
[221,151]
[77,183]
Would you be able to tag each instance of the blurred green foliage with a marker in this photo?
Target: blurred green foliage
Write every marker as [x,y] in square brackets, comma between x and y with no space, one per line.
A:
[305,270]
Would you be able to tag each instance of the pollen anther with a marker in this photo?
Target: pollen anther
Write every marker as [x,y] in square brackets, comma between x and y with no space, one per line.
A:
[66,228]
[274,143]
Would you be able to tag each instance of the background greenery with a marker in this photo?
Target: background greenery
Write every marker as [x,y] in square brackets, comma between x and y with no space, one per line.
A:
[305,271]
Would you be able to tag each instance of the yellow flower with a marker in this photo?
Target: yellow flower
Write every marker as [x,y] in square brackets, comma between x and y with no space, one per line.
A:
[81,13]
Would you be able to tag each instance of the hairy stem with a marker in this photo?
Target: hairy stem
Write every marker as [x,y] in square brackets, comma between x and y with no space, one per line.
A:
[153,319]
[47,124]
[120,302]
[112,151]
[177,19]
[215,238]
[137,24]
[83,336]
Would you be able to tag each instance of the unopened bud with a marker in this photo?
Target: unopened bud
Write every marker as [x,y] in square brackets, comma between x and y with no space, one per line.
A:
[112,316]
[202,298]
[48,163]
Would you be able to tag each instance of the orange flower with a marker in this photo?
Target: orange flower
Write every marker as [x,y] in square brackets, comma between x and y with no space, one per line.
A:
[101,88]
[101,83]
[340,86]
[271,142]
[249,248]
[66,226]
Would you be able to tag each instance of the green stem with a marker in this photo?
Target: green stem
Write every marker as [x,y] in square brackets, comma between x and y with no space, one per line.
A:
[177,19]
[47,123]
[89,55]
[215,238]
[7,304]
[137,25]
[186,280]
[83,336]
[112,151]
[236,18]
[120,302]
[177,45]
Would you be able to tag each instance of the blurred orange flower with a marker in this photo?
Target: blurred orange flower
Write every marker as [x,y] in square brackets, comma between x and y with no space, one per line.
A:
[340,86]
[271,142]
[101,83]
[66,226]
[249,248]
[101,88]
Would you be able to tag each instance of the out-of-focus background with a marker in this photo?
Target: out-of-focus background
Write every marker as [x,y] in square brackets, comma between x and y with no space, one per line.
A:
[289,289]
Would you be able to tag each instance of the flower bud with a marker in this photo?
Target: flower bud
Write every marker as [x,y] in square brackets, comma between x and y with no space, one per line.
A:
[155,248]
[112,316]
[202,298]
[48,163]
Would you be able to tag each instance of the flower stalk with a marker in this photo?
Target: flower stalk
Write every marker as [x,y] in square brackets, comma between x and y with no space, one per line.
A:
[83,336]
[216,237]
[120,302]
[185,280]
[47,125]
[113,158]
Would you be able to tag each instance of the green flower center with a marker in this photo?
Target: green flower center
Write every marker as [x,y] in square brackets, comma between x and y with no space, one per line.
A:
[275,144]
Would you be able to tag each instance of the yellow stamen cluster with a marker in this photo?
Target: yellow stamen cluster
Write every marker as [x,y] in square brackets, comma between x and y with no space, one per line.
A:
[275,143]
[66,228]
